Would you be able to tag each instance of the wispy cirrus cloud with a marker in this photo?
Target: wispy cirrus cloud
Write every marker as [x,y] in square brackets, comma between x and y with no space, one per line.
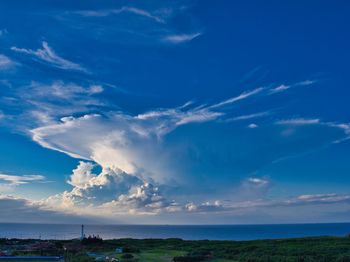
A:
[124,9]
[283,87]
[342,134]
[59,90]
[44,102]
[20,180]
[181,38]
[249,116]
[280,88]
[265,204]
[6,62]
[48,55]
[242,96]
[345,127]
[299,121]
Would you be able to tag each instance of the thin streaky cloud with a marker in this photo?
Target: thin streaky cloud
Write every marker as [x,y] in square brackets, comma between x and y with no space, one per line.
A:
[299,121]
[345,127]
[181,38]
[283,87]
[6,62]
[187,104]
[124,9]
[19,180]
[280,88]
[250,116]
[306,82]
[48,55]
[242,96]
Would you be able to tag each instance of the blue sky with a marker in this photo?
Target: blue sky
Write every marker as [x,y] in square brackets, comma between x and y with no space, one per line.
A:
[174,111]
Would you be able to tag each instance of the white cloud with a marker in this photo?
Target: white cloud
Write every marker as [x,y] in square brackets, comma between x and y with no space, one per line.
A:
[250,116]
[82,174]
[20,180]
[266,204]
[129,150]
[45,103]
[130,143]
[19,210]
[122,140]
[6,62]
[124,9]
[283,87]
[242,96]
[130,147]
[259,182]
[252,126]
[48,55]
[306,82]
[280,88]
[253,188]
[145,198]
[112,192]
[59,90]
[96,189]
[206,207]
[299,121]
[181,38]
[318,199]
[345,127]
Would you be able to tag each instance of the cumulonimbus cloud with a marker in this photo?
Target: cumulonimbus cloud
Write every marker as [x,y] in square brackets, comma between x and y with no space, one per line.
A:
[121,140]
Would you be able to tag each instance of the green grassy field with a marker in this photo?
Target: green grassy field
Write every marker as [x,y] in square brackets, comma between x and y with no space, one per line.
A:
[314,249]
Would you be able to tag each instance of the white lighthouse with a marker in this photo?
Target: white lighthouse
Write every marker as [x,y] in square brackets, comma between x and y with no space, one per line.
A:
[82,233]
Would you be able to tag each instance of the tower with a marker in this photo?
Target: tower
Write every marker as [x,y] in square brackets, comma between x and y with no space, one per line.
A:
[82,233]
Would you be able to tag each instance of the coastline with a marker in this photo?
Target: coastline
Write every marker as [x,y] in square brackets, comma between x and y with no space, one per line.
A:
[186,232]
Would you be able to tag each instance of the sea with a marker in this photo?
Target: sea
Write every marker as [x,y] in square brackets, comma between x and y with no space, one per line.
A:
[188,232]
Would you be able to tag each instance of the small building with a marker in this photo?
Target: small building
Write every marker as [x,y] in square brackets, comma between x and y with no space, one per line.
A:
[119,250]
[96,256]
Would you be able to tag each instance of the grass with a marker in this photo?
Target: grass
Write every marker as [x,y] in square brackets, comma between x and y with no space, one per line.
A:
[312,249]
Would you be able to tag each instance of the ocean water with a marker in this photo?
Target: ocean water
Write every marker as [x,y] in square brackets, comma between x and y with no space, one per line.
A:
[190,232]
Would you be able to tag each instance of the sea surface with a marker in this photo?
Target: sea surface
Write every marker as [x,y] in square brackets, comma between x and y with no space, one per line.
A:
[190,232]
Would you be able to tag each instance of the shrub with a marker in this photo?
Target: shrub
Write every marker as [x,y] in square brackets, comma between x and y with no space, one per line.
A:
[127,256]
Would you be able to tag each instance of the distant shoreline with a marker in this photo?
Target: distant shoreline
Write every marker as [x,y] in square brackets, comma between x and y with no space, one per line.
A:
[186,232]
[174,225]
